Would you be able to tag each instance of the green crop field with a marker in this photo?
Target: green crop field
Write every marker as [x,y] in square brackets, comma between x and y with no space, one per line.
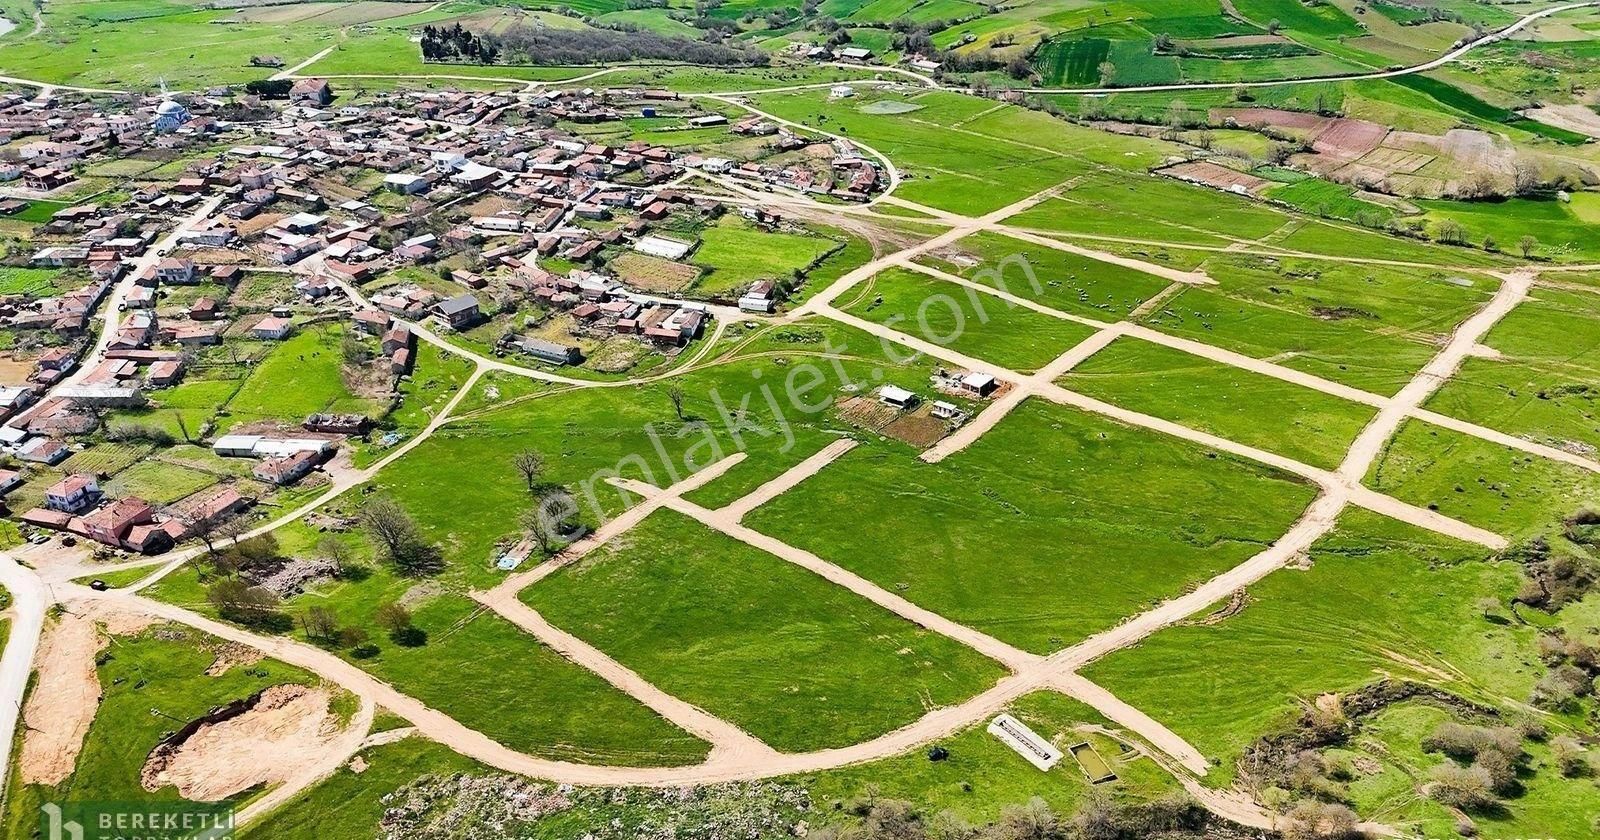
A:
[1071,61]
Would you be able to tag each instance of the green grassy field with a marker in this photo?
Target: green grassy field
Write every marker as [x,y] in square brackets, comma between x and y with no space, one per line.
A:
[965,320]
[135,43]
[1546,804]
[634,431]
[794,660]
[993,160]
[1380,598]
[1129,206]
[1480,482]
[1544,383]
[1258,410]
[735,254]
[1068,282]
[977,537]
[1366,326]
[478,668]
[301,375]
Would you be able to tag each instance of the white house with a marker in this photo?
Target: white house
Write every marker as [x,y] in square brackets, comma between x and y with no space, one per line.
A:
[405,184]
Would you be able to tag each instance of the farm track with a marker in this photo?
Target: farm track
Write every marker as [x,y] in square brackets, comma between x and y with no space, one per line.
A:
[732,757]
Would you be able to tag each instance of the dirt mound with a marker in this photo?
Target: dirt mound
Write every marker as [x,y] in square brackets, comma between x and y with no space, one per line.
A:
[63,701]
[261,740]
[229,654]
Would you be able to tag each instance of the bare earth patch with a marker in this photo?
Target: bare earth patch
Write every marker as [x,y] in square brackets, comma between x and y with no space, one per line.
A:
[63,701]
[261,741]
[1579,118]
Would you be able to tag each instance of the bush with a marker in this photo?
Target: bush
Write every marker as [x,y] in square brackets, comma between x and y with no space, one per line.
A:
[1467,788]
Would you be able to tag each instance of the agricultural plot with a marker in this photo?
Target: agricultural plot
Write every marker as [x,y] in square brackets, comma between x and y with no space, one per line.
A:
[1071,61]
[1342,241]
[1366,326]
[1377,599]
[794,660]
[300,376]
[735,253]
[965,320]
[1322,20]
[477,666]
[1557,232]
[1125,207]
[1480,482]
[1055,278]
[1250,408]
[977,537]
[1544,378]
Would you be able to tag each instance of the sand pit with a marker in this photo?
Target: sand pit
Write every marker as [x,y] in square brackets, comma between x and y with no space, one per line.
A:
[263,740]
[63,701]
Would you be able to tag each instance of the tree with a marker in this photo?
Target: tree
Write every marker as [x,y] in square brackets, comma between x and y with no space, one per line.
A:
[675,394]
[1178,114]
[319,623]
[1163,43]
[530,465]
[1312,820]
[1108,71]
[335,551]
[1525,180]
[387,523]
[1031,821]
[1450,232]
[393,617]
[1490,244]
[238,601]
[258,550]
[1273,26]
[402,543]
[549,520]
[1526,245]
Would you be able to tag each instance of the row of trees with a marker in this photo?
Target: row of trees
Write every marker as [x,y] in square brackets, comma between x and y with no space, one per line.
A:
[545,46]
[457,43]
